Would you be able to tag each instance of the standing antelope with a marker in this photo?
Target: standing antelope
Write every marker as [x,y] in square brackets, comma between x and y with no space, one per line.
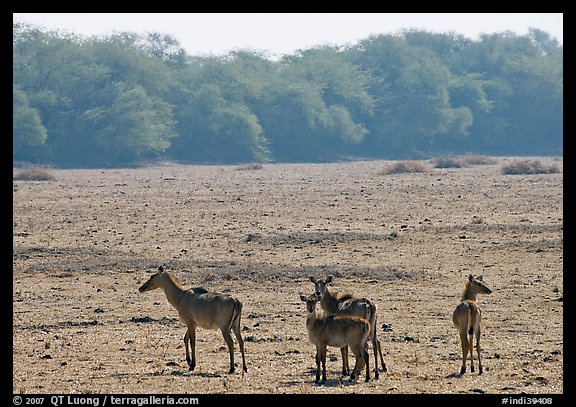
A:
[466,319]
[334,304]
[340,331]
[198,307]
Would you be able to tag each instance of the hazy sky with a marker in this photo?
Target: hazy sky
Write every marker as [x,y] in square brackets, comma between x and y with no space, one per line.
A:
[283,33]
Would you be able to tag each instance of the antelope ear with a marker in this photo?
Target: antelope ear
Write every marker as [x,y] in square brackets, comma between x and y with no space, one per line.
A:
[312,279]
[329,279]
[303,298]
[470,277]
[479,278]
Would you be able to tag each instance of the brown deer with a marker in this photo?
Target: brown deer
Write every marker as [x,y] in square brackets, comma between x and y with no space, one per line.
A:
[466,318]
[198,307]
[339,331]
[335,304]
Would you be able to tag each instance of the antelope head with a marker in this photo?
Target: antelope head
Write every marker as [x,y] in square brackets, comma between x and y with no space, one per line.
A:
[320,286]
[154,281]
[310,301]
[479,285]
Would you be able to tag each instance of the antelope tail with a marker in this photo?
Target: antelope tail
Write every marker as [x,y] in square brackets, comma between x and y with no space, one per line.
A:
[236,314]
[373,317]
[472,317]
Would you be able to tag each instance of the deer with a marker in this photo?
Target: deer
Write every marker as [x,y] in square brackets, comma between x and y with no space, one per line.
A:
[467,318]
[338,331]
[198,307]
[347,304]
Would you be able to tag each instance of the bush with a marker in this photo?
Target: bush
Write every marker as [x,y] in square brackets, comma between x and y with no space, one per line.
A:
[250,167]
[34,174]
[403,167]
[477,160]
[448,162]
[529,167]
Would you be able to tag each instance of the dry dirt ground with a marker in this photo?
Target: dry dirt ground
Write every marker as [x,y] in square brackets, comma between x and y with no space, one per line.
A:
[85,242]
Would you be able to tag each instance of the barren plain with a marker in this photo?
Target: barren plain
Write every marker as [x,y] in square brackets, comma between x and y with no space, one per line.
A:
[84,242]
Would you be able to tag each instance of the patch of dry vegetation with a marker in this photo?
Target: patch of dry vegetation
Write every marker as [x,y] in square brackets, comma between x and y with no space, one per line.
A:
[405,167]
[473,159]
[529,167]
[448,162]
[250,167]
[463,161]
[34,174]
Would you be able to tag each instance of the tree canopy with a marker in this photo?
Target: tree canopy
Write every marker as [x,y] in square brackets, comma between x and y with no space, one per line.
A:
[127,98]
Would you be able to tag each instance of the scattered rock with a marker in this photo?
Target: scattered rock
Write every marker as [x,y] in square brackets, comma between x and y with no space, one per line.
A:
[541,380]
[139,320]
[386,327]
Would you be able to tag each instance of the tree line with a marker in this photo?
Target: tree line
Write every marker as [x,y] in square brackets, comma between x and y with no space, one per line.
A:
[126,98]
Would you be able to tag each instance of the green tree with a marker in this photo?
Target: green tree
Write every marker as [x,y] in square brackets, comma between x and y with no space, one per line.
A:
[165,48]
[310,109]
[213,129]
[131,127]
[27,128]
[123,98]
[130,58]
[50,67]
[214,112]
[100,99]
[412,88]
[524,83]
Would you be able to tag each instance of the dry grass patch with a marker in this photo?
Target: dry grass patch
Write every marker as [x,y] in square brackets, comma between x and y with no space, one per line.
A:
[463,161]
[472,159]
[448,162]
[34,174]
[250,167]
[405,167]
[529,167]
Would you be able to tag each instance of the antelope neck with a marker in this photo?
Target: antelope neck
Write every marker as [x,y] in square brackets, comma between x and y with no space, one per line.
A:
[174,293]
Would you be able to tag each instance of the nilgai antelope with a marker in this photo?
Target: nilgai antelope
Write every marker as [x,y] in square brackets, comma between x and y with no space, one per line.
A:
[334,304]
[339,331]
[198,307]
[466,318]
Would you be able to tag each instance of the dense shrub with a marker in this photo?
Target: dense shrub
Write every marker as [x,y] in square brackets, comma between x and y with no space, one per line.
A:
[250,167]
[477,160]
[403,167]
[529,167]
[448,162]
[34,174]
